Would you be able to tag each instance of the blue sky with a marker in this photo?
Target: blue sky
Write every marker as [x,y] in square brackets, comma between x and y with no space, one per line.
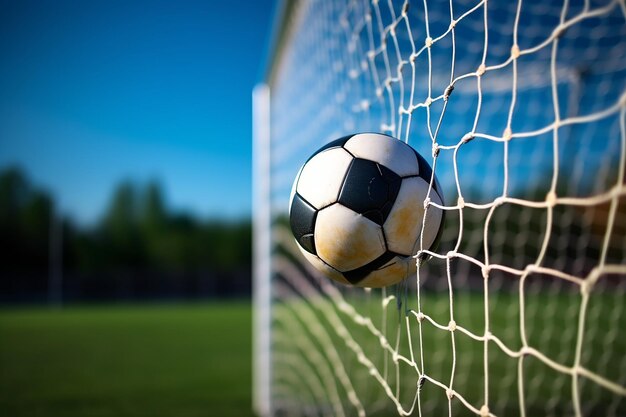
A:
[96,92]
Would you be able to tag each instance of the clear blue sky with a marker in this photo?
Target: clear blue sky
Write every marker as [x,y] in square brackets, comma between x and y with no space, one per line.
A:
[96,92]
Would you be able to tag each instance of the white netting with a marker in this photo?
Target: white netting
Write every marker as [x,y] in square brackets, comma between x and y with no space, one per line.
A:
[520,106]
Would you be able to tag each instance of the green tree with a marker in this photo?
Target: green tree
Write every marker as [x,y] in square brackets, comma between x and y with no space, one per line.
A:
[24,221]
[14,192]
[121,230]
[153,215]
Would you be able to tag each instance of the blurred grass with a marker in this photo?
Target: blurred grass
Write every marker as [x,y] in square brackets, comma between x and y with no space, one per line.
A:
[126,360]
[194,359]
[551,326]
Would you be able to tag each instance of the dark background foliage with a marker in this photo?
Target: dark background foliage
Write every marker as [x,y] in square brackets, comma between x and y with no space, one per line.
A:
[138,249]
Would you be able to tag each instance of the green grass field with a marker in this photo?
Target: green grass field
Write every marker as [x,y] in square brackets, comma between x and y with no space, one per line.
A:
[551,327]
[120,360]
[195,359]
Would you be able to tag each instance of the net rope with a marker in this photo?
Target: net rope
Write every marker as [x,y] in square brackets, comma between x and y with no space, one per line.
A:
[516,313]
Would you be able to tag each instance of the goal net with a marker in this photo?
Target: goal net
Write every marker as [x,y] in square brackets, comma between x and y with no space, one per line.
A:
[520,107]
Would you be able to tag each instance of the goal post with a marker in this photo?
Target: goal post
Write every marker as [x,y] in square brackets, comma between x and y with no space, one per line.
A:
[261,352]
[520,108]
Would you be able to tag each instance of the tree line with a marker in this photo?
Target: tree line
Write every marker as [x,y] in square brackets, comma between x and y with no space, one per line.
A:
[138,249]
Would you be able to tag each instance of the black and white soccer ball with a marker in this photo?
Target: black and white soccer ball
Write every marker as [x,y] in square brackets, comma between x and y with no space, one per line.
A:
[357,209]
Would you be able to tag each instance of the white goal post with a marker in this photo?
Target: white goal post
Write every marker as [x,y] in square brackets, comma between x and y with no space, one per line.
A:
[520,107]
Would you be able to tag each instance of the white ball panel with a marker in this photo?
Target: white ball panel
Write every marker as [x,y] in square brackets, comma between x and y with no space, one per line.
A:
[432,224]
[347,240]
[404,223]
[322,176]
[323,268]
[392,273]
[385,150]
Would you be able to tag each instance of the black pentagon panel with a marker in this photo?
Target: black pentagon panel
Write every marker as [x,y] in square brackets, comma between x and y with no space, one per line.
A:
[302,220]
[337,143]
[308,242]
[357,275]
[370,189]
[393,180]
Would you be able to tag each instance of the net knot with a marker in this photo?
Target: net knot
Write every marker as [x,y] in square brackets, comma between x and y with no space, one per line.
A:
[507,134]
[585,288]
[435,150]
[405,8]
[622,100]
[481,70]
[420,317]
[452,325]
[452,24]
[587,285]
[468,137]
[515,51]
[485,271]
[551,199]
[484,411]
[460,202]
[420,257]
[428,42]
[420,382]
[447,92]
[427,201]
[558,31]
[450,393]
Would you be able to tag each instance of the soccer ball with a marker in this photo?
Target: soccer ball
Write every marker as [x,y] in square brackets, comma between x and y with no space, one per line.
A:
[357,209]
